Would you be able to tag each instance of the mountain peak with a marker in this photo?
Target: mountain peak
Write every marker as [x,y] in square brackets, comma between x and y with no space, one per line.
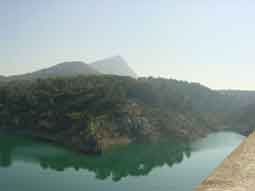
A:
[115,65]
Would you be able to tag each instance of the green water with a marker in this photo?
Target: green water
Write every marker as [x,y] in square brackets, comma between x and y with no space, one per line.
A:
[26,165]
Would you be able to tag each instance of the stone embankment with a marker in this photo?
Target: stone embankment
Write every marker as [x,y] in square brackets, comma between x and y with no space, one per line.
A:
[237,171]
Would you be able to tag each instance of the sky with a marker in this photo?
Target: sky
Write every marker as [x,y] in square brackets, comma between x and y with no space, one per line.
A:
[207,41]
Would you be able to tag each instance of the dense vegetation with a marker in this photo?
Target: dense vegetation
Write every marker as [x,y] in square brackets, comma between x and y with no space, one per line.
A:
[92,112]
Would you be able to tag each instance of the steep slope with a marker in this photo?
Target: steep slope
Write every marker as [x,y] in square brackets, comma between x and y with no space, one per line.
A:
[114,65]
[65,69]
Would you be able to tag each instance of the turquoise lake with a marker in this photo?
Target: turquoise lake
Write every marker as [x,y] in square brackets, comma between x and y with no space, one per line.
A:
[28,165]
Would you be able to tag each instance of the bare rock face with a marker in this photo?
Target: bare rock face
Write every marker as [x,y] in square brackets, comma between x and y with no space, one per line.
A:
[115,65]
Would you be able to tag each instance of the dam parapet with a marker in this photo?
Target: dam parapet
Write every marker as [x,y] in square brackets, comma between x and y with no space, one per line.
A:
[236,172]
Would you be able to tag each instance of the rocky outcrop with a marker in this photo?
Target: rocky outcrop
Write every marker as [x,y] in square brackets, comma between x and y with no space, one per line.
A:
[93,134]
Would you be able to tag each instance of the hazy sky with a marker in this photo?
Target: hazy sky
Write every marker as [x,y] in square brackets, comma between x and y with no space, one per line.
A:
[206,41]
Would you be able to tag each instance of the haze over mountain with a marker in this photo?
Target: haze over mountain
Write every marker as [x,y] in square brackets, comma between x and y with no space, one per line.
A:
[246,97]
[114,65]
[64,69]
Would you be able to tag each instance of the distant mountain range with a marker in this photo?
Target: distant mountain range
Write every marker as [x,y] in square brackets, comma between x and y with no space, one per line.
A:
[113,66]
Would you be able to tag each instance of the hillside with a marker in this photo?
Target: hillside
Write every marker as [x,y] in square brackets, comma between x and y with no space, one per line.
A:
[2,78]
[243,120]
[99,111]
[244,97]
[91,113]
[201,98]
[65,69]
[115,66]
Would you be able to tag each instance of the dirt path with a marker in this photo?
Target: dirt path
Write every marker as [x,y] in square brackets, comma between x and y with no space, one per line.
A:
[237,171]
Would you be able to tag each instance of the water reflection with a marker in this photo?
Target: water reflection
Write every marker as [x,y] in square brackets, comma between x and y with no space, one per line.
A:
[131,160]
